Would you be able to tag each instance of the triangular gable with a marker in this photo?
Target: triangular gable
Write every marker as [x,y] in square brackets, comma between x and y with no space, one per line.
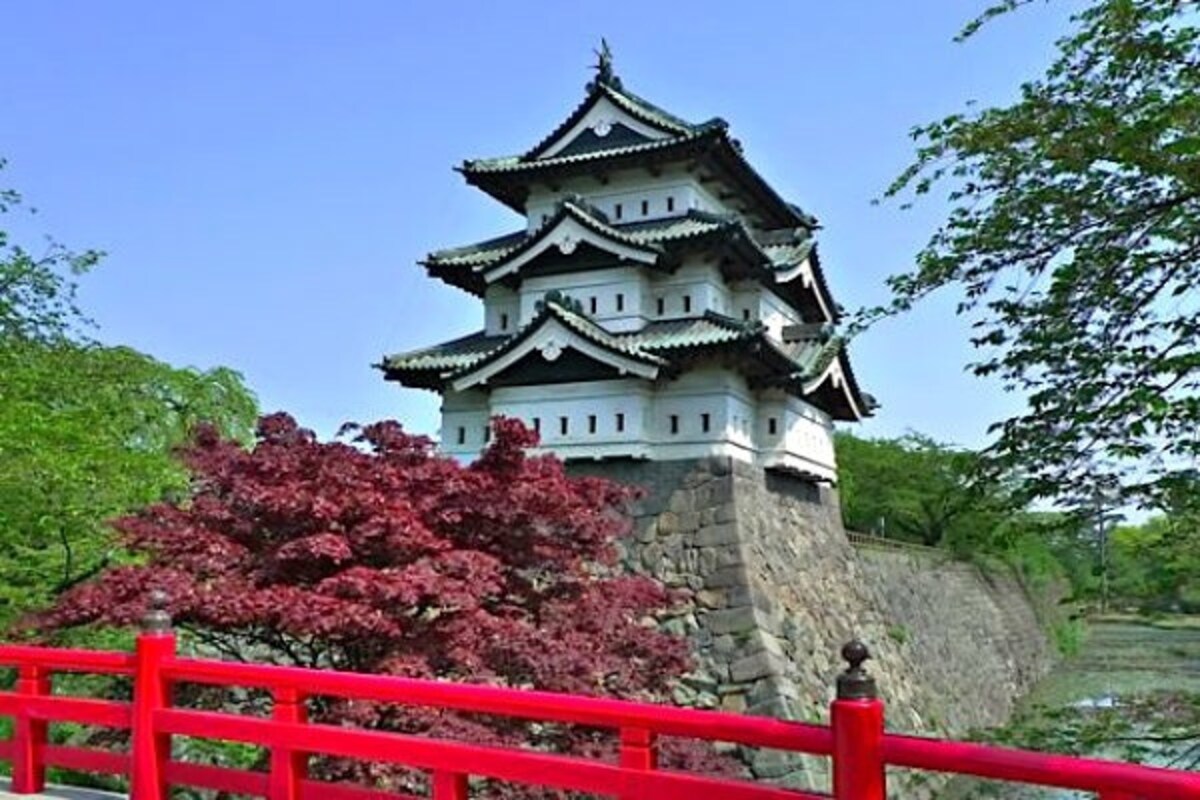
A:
[807,273]
[835,389]
[549,339]
[565,232]
[603,125]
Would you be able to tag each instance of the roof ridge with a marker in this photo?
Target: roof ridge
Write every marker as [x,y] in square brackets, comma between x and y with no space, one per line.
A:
[515,161]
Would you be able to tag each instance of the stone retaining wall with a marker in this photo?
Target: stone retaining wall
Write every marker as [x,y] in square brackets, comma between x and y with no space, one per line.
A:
[774,589]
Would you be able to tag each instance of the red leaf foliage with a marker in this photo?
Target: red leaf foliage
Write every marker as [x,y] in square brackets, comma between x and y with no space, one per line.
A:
[373,553]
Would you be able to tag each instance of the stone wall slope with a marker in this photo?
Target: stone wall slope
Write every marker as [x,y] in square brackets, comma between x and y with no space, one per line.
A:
[775,588]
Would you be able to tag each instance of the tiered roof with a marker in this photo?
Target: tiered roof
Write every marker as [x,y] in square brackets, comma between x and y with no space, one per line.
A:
[661,138]
[784,261]
[813,366]
[767,240]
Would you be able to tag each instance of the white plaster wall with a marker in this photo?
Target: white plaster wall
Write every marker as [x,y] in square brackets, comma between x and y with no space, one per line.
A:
[721,394]
[744,300]
[738,421]
[468,411]
[775,314]
[578,403]
[803,438]
[629,188]
[602,285]
[501,311]
[696,279]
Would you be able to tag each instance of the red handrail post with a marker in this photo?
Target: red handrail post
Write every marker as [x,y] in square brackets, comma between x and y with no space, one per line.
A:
[289,768]
[639,751]
[150,749]
[449,786]
[29,735]
[857,721]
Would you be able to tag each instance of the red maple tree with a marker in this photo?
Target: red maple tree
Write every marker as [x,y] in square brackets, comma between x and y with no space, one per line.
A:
[372,553]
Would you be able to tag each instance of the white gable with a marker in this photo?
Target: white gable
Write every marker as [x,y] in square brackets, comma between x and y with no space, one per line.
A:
[567,235]
[551,340]
[601,119]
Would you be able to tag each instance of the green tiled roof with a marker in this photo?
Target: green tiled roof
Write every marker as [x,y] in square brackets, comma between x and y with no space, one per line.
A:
[658,343]
[584,326]
[491,251]
[789,254]
[711,329]
[448,356]
[520,163]
[652,343]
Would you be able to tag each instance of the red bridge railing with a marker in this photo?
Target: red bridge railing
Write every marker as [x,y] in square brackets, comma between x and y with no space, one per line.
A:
[855,740]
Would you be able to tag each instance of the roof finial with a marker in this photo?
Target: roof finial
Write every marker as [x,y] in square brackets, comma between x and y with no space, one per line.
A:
[604,68]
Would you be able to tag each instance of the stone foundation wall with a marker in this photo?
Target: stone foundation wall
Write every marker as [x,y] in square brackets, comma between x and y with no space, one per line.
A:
[775,589]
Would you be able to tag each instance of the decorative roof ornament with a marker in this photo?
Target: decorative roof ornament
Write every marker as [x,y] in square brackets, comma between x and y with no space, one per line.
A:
[604,69]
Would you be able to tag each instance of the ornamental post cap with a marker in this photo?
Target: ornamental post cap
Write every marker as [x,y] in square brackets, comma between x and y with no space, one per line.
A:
[156,619]
[855,683]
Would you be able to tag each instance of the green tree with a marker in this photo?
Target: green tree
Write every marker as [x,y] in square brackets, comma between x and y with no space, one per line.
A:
[87,432]
[1072,240]
[1157,563]
[918,489]
[37,292]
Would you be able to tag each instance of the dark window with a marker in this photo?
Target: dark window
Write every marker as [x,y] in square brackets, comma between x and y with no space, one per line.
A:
[670,204]
[504,322]
[487,433]
[537,424]
[687,303]
[674,423]
[592,305]
[620,302]
[746,314]
[772,426]
[462,435]
[617,211]
[620,422]
[562,425]
[591,423]
[662,306]
[705,422]
[645,207]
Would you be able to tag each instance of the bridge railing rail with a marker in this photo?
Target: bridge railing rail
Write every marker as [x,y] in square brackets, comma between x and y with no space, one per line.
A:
[855,740]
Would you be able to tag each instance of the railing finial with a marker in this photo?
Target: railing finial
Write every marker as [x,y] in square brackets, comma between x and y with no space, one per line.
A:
[157,619]
[855,683]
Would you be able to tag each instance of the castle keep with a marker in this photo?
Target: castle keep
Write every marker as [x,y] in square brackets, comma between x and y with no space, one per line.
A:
[662,302]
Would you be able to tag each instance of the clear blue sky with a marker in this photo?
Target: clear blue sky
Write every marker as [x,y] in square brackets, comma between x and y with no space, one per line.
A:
[266,175]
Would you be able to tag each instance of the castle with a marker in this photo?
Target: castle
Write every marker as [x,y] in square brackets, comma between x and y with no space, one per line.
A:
[662,302]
